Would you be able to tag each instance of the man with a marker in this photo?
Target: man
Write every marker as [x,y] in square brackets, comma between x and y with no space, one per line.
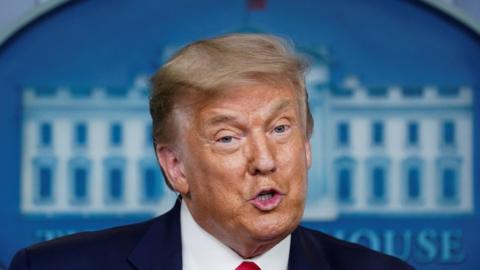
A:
[231,129]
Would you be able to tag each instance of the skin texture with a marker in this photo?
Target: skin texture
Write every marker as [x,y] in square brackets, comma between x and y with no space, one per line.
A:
[228,150]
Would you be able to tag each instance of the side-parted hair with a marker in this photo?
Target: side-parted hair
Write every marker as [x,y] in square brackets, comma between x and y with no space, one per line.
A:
[205,68]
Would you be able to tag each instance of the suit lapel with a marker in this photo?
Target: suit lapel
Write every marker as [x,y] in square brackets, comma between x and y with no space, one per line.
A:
[161,246]
[305,253]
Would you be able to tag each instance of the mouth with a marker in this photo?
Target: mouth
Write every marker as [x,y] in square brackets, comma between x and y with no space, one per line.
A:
[267,199]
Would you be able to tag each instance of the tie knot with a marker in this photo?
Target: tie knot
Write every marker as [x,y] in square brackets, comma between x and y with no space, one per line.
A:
[248,266]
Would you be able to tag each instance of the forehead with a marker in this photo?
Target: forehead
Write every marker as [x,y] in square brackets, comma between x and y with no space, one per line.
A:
[259,98]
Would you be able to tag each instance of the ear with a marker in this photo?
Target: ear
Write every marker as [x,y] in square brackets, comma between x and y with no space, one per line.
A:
[173,168]
[308,153]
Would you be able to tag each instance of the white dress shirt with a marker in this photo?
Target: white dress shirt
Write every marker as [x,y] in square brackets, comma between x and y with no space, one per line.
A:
[202,251]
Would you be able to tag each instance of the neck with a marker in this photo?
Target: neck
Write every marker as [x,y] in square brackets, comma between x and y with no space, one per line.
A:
[241,242]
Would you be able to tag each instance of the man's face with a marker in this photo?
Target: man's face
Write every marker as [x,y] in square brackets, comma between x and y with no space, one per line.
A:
[245,158]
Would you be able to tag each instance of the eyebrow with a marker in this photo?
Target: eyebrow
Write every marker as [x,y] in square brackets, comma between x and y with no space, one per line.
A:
[219,119]
[224,118]
[280,106]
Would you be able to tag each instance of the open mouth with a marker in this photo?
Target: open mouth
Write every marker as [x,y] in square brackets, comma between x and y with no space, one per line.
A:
[267,195]
[267,199]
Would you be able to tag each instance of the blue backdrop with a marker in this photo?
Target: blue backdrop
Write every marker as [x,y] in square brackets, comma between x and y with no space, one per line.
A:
[375,48]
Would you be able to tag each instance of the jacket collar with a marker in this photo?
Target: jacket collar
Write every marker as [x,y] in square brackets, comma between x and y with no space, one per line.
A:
[305,252]
[161,245]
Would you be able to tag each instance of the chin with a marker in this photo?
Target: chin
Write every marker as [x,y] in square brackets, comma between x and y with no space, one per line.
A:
[274,228]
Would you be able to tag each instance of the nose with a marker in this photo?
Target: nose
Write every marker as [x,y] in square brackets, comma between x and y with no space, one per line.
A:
[261,157]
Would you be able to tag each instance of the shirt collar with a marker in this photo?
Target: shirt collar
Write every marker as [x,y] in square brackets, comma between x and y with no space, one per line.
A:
[200,250]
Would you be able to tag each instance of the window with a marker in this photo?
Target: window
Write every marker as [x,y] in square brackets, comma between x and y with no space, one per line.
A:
[44,179]
[378,185]
[412,179]
[449,184]
[115,184]
[79,168]
[344,185]
[81,134]
[377,133]
[448,133]
[45,184]
[46,134]
[343,134]
[80,184]
[152,184]
[344,168]
[413,184]
[116,134]
[377,179]
[412,134]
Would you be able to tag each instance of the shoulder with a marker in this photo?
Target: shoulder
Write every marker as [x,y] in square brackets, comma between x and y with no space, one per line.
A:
[115,248]
[341,254]
[86,250]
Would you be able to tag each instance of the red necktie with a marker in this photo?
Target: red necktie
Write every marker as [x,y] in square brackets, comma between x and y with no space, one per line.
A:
[248,266]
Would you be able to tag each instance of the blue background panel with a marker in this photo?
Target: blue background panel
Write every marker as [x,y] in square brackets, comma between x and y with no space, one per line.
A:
[86,44]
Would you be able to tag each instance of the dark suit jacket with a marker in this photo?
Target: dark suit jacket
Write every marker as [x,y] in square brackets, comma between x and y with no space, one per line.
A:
[156,244]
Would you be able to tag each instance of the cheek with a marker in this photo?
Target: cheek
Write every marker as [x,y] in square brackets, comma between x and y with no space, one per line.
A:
[206,161]
[232,170]
[216,173]
[292,156]
[293,166]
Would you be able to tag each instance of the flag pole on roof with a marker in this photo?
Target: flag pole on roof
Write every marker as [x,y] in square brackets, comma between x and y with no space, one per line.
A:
[253,5]
[256,4]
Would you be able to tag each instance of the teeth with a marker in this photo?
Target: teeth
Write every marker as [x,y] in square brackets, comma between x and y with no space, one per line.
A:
[265,197]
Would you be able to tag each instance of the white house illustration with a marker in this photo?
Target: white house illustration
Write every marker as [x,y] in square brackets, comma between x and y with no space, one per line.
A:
[391,150]
[89,151]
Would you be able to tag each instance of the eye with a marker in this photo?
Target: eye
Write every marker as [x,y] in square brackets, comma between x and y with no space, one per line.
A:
[225,139]
[280,129]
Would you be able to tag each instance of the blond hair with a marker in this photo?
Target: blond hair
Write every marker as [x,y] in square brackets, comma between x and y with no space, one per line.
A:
[206,67]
